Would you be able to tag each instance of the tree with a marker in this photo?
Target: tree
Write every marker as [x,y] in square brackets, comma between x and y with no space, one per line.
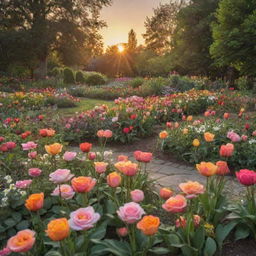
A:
[132,41]
[234,35]
[193,37]
[161,26]
[53,24]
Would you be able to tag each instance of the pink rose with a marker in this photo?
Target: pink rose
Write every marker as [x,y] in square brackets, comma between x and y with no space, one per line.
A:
[23,183]
[68,125]
[137,195]
[65,191]
[32,154]
[5,251]
[92,155]
[29,145]
[100,167]
[234,137]
[34,172]
[60,176]
[254,133]
[122,231]
[2,139]
[69,156]
[83,218]
[10,145]
[107,134]
[100,133]
[130,212]
[244,137]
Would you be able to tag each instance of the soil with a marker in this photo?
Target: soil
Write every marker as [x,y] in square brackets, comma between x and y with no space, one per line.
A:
[246,247]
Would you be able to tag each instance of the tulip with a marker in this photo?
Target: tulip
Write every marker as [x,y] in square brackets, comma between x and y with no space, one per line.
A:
[114,179]
[206,168]
[226,150]
[165,193]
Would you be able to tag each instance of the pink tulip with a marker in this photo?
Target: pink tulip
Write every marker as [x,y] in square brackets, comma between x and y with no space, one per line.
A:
[100,167]
[34,172]
[92,155]
[61,176]
[83,218]
[137,195]
[32,154]
[69,156]
[122,231]
[246,177]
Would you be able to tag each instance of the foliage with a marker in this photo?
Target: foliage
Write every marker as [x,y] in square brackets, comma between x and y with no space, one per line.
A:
[68,76]
[233,34]
[80,77]
[95,79]
[136,82]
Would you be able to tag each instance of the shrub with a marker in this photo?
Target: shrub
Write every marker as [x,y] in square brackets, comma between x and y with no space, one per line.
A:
[80,77]
[155,85]
[60,102]
[56,72]
[69,77]
[181,83]
[95,79]
[136,82]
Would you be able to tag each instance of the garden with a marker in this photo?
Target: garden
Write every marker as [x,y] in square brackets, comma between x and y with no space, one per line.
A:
[127,150]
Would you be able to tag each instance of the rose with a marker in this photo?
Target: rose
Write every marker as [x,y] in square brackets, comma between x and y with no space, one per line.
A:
[209,137]
[196,143]
[35,202]
[144,157]
[137,195]
[83,218]
[83,184]
[114,179]
[58,229]
[130,212]
[100,167]
[206,168]
[92,155]
[100,133]
[107,134]
[29,145]
[175,204]
[64,190]
[122,231]
[60,176]
[69,156]
[149,225]
[34,172]
[32,154]
[5,251]
[163,135]
[127,168]
[192,188]
[246,177]
[165,193]
[53,149]
[23,241]
[10,145]
[85,147]
[222,168]
[23,183]
[226,115]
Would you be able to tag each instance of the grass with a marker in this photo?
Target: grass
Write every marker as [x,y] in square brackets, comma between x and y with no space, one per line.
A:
[83,105]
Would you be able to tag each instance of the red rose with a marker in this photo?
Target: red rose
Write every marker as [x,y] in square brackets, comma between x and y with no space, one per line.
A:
[126,130]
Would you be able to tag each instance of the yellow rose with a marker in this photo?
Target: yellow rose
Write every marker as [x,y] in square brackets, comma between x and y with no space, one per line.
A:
[53,149]
[196,143]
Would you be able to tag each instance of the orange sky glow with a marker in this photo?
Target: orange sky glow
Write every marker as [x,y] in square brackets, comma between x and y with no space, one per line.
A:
[124,15]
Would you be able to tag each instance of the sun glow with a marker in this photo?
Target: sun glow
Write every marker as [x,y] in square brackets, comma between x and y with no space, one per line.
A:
[120,48]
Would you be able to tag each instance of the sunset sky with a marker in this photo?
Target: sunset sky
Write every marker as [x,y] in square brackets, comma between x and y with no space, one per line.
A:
[123,15]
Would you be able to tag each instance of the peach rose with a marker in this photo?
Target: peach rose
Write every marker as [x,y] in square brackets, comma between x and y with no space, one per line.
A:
[209,137]
[192,188]
[206,168]
[175,204]
[83,184]
[58,229]
[35,202]
[65,191]
[114,179]
[53,149]
[23,241]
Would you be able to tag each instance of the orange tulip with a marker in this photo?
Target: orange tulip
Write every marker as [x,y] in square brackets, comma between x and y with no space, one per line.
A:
[189,118]
[222,168]
[114,179]
[35,202]
[85,147]
[192,188]
[58,229]
[227,150]
[83,184]
[209,137]
[206,168]
[127,168]
[163,135]
[149,225]
[23,241]
[53,149]
[175,204]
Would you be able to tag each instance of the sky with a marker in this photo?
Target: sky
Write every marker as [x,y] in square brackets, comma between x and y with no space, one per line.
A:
[124,15]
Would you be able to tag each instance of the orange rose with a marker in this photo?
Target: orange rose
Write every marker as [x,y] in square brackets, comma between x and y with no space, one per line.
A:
[189,118]
[192,188]
[165,193]
[23,241]
[206,168]
[163,135]
[53,149]
[35,202]
[85,147]
[149,225]
[175,204]
[209,137]
[83,184]
[58,229]
[114,179]
[196,143]
[222,168]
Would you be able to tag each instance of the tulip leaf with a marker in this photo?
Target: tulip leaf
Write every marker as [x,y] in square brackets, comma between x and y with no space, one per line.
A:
[199,238]
[160,251]
[222,231]
[22,225]
[99,232]
[242,232]
[210,247]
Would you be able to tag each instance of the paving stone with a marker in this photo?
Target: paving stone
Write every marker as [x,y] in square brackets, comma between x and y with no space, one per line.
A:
[170,170]
[156,176]
[157,161]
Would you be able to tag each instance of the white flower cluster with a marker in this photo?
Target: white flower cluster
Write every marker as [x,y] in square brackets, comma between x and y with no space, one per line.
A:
[252,141]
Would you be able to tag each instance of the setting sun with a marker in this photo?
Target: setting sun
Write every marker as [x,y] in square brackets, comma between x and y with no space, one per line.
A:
[120,48]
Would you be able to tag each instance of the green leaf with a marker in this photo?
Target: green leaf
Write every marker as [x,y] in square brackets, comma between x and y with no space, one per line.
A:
[22,225]
[16,216]
[10,222]
[99,232]
[53,253]
[210,247]
[223,231]
[160,250]
[242,232]
[199,238]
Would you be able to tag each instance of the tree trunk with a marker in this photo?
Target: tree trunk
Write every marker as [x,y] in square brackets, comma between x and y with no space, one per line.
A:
[41,71]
